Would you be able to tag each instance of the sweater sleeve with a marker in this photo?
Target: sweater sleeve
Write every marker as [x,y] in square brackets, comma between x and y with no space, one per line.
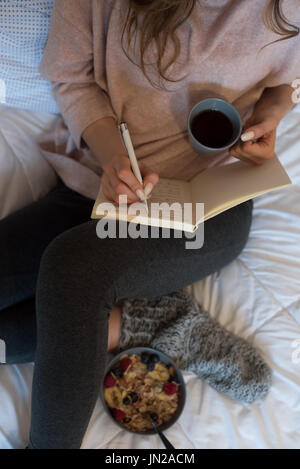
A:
[68,63]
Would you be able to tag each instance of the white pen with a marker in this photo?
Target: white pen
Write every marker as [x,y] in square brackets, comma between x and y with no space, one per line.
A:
[123,127]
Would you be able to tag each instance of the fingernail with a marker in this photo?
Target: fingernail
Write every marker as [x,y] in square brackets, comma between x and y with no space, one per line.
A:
[141,195]
[247,136]
[148,188]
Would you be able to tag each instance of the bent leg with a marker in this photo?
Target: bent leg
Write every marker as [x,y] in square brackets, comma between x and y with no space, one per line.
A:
[81,279]
[24,237]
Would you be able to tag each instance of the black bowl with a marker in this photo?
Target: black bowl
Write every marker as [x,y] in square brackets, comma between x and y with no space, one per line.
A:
[167,361]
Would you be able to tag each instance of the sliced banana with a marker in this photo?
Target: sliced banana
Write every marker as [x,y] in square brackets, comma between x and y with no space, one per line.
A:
[160,372]
[164,397]
[113,397]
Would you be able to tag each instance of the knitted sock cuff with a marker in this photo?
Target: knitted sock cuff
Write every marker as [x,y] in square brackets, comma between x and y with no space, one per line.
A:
[176,338]
[142,318]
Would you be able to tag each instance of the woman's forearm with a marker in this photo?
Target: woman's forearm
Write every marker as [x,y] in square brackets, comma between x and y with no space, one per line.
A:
[104,140]
[277,100]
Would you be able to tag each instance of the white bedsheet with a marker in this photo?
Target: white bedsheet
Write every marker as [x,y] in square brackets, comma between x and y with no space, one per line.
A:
[257,297]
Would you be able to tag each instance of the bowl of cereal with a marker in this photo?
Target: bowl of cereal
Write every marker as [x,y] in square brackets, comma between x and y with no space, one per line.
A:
[142,385]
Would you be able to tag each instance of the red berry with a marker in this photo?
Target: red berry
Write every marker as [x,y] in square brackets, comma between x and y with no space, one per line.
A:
[109,381]
[170,388]
[125,363]
[119,415]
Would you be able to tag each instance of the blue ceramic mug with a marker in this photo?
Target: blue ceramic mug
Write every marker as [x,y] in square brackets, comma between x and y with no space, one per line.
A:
[215,104]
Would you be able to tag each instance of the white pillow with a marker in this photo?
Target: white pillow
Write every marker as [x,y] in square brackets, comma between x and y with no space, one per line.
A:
[25,176]
[24,26]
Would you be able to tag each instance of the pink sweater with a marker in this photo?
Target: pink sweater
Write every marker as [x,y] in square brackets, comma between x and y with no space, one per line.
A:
[92,78]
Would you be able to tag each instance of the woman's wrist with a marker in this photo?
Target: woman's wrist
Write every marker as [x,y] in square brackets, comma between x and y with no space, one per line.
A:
[275,102]
[104,140]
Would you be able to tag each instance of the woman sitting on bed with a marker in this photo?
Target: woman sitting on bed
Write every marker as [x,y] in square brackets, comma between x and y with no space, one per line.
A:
[80,280]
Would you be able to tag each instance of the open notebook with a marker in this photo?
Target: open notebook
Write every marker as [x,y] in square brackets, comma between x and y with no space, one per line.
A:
[218,188]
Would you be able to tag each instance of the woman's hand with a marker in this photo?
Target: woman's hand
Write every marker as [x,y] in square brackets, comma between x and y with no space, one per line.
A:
[258,140]
[118,179]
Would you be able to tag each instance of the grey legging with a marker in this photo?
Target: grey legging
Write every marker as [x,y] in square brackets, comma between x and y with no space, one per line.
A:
[80,279]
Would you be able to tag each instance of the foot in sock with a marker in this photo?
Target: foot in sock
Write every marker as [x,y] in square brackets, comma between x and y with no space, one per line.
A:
[142,318]
[177,325]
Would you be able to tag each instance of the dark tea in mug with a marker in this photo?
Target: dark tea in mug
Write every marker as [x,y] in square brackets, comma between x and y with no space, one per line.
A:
[212,129]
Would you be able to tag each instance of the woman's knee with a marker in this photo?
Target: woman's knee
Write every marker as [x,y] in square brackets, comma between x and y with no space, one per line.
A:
[239,227]
[227,234]
[244,222]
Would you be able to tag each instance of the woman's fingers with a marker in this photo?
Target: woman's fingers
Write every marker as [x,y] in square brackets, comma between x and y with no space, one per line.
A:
[120,188]
[125,174]
[237,153]
[257,143]
[150,179]
[118,179]
[258,130]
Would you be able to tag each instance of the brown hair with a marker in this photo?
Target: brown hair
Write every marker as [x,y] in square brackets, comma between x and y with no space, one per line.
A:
[161,19]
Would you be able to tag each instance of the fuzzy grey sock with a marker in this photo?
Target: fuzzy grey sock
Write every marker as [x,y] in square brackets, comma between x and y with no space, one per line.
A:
[231,365]
[176,325]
